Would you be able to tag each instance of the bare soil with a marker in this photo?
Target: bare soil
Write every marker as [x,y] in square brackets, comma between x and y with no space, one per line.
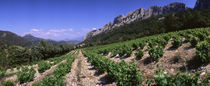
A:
[83,74]
[172,61]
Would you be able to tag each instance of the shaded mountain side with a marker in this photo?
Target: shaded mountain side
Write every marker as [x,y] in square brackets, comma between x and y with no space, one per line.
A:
[10,38]
[202,4]
[154,25]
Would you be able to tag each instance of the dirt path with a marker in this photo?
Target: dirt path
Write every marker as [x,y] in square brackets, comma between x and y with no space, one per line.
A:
[83,74]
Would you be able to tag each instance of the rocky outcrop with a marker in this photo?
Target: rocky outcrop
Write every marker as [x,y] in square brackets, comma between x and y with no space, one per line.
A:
[138,14]
[202,4]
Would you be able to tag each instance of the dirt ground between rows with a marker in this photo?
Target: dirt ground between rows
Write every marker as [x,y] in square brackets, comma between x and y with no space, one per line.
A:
[83,74]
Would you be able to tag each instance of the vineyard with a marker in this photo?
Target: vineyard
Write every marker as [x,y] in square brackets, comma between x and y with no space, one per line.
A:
[172,59]
[49,72]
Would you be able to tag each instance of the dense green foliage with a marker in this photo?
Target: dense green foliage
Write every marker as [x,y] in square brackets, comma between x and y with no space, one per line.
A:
[203,51]
[139,54]
[60,71]
[43,65]
[154,25]
[16,55]
[194,41]
[180,79]
[2,72]
[156,53]
[119,72]
[122,73]
[26,75]
[177,41]
[7,83]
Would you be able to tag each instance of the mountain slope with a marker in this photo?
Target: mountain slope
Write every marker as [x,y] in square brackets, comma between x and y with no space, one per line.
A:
[36,40]
[202,4]
[155,20]
[10,38]
[139,14]
[154,25]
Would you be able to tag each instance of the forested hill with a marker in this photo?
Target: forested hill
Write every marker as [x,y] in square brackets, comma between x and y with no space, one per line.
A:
[154,25]
[10,38]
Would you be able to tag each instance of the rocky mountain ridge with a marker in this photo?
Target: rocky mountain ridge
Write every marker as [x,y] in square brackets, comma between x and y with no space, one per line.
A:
[138,14]
[202,4]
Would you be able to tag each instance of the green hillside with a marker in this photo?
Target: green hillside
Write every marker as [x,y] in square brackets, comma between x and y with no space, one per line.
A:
[155,60]
[154,25]
[9,38]
[169,59]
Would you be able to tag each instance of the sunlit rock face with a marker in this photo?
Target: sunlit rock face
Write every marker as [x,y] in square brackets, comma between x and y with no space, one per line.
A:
[139,14]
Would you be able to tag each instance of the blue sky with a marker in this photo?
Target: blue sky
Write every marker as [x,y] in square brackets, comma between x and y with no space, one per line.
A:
[67,19]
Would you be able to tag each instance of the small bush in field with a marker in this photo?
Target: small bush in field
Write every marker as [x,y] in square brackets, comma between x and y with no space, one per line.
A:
[188,37]
[139,54]
[152,44]
[26,75]
[194,41]
[2,72]
[125,50]
[180,79]
[43,66]
[162,42]
[7,83]
[203,51]
[202,36]
[114,52]
[142,44]
[177,41]
[167,37]
[135,46]
[156,53]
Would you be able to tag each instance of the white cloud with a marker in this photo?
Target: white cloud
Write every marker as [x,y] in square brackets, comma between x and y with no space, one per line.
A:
[94,28]
[70,29]
[36,30]
[57,34]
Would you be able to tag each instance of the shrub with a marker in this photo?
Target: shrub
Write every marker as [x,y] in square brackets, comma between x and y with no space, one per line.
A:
[177,41]
[2,72]
[162,42]
[180,79]
[188,37]
[60,71]
[8,83]
[51,81]
[125,49]
[26,75]
[203,51]
[167,37]
[194,41]
[152,44]
[142,44]
[114,52]
[43,66]
[139,54]
[156,53]
[135,45]
[201,36]
[122,73]
[162,79]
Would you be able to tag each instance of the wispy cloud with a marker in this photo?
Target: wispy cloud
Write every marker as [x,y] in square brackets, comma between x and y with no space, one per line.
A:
[59,34]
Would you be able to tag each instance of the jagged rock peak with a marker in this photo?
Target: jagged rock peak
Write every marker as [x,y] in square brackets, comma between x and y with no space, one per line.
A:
[202,4]
[139,14]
